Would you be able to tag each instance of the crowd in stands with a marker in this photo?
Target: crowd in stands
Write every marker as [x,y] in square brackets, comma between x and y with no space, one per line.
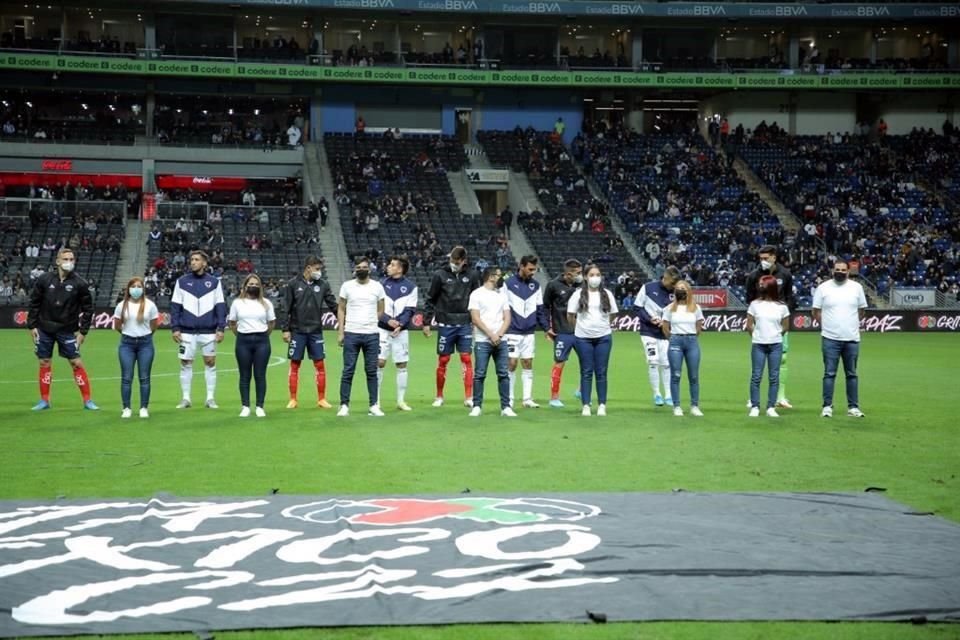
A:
[465,53]
[360,56]
[602,60]
[56,116]
[255,124]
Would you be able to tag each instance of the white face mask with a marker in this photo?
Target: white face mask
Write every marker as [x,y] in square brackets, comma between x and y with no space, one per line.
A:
[454,267]
[594,282]
[766,265]
[316,275]
[67,266]
[578,279]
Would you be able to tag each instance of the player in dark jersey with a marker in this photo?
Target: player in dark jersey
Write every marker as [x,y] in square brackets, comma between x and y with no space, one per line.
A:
[555,297]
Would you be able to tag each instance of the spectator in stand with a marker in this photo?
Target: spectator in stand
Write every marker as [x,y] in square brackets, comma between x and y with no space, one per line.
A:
[360,127]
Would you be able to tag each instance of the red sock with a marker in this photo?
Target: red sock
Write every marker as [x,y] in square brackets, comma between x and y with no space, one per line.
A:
[466,367]
[555,374]
[83,382]
[442,374]
[46,377]
[321,378]
[293,380]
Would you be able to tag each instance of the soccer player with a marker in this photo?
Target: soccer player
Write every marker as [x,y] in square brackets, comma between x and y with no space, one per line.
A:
[770,267]
[651,300]
[359,309]
[198,317]
[555,297]
[490,315]
[399,307]
[526,314]
[61,309]
[446,303]
[301,322]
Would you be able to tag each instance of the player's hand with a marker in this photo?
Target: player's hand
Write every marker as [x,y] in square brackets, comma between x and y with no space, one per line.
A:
[80,339]
[393,324]
[395,332]
[35,334]
[551,334]
[426,330]
[176,336]
[286,336]
[340,338]
[219,336]
[656,321]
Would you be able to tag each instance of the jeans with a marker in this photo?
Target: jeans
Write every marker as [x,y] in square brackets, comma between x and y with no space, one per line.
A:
[833,351]
[684,348]
[253,354]
[594,356]
[771,356]
[483,351]
[137,351]
[353,344]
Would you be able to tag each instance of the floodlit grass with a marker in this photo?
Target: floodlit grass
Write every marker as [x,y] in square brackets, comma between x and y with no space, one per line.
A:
[908,443]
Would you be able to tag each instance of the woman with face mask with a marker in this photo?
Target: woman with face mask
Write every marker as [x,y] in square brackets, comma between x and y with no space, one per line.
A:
[251,319]
[590,309]
[682,323]
[136,319]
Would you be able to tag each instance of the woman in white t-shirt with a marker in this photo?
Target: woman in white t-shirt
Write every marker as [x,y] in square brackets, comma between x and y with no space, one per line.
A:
[768,320]
[682,323]
[590,309]
[136,319]
[252,318]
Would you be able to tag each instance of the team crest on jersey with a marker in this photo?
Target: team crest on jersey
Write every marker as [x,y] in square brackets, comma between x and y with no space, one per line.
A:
[316,289]
[208,284]
[403,289]
[69,287]
[532,286]
[465,279]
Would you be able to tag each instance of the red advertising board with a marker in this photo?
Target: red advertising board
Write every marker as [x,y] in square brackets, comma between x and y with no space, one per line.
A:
[49,164]
[201,183]
[710,297]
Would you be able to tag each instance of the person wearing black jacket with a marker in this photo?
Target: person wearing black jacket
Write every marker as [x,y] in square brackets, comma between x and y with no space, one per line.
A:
[301,323]
[770,267]
[555,297]
[61,310]
[446,304]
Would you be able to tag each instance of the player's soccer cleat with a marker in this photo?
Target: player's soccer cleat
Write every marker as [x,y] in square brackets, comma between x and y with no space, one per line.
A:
[375,411]
[585,411]
[658,400]
[827,412]
[184,404]
[678,412]
[211,404]
[144,413]
[754,412]
[784,404]
[90,405]
[323,404]
[260,413]
[602,410]
[126,413]
[344,411]
[695,412]
[293,404]
[468,403]
[475,412]
[507,412]
[43,405]
[772,413]
[530,404]
[403,406]
[854,412]
[437,403]
[245,412]
[556,404]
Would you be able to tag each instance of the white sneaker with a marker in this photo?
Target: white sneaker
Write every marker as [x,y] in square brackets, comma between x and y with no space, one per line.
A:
[586,411]
[211,404]
[468,403]
[695,411]
[854,412]
[344,411]
[185,404]
[144,413]
[772,413]
[438,402]
[749,405]
[754,412]
[403,406]
[375,411]
[245,412]
[475,412]
[507,412]
[260,412]
[126,413]
[827,412]
[602,410]
[530,404]
[678,412]
[784,404]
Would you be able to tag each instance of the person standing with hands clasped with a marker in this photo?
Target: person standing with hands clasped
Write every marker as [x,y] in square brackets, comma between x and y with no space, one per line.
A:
[682,323]
[490,314]
[136,319]
[251,319]
[362,303]
[839,305]
[589,310]
[768,320]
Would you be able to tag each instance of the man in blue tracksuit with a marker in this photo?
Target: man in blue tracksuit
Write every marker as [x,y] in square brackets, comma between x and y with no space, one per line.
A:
[526,314]
[651,300]
[399,307]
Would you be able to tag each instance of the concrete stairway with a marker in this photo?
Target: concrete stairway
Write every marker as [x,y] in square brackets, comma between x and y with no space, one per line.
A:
[133,254]
[318,181]
[466,199]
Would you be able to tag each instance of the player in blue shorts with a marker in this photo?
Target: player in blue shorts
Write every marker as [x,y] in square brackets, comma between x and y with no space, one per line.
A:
[555,297]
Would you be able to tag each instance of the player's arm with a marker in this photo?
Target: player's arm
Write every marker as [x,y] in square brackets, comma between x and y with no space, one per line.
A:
[176,311]
[283,315]
[86,311]
[33,312]
[751,286]
[429,305]
[220,311]
[329,300]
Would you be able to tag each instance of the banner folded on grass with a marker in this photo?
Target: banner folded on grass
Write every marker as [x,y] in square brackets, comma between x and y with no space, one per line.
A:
[171,564]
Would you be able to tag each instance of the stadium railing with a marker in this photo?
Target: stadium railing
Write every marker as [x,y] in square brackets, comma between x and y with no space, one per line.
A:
[171,211]
[21,207]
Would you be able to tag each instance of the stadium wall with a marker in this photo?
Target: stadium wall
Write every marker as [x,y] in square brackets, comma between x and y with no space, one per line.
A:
[903,112]
[801,113]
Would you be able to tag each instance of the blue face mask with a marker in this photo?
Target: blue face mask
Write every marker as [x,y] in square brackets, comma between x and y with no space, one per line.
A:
[136,292]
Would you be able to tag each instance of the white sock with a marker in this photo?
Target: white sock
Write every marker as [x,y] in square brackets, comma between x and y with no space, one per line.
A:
[665,376]
[653,372]
[513,384]
[210,375]
[526,377]
[186,378]
[379,382]
[401,385]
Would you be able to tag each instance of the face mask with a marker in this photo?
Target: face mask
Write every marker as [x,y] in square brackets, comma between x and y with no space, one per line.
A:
[766,265]
[578,279]
[499,283]
[681,295]
[839,276]
[67,266]
[362,274]
[136,292]
[316,275]
[454,267]
[594,282]
[253,292]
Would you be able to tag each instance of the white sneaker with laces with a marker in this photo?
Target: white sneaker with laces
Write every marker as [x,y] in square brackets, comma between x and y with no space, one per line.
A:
[437,403]
[211,404]
[184,404]
[126,413]
[695,411]
[375,411]
[678,412]
[586,411]
[507,412]
[827,412]
[854,412]
[772,413]
[530,404]
[403,406]
[245,412]
[754,412]
[144,413]
[468,403]
[602,410]
[344,411]
[260,412]
[475,412]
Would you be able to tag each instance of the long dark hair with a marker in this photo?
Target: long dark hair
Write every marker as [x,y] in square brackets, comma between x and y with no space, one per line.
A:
[585,292]
[126,299]
[768,289]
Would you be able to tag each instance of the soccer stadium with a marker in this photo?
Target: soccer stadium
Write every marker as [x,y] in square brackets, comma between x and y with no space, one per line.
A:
[480,319]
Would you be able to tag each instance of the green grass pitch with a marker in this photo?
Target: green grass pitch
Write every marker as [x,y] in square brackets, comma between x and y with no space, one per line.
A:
[909,443]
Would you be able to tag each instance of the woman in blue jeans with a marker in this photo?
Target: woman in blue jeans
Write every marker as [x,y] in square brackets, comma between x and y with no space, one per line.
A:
[136,319]
[589,310]
[252,318]
[682,323]
[768,320]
